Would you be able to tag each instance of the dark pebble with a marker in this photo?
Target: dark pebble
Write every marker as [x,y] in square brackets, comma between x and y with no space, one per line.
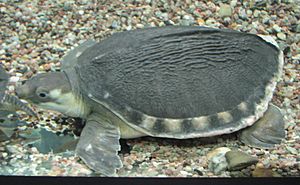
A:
[198,172]
[8,54]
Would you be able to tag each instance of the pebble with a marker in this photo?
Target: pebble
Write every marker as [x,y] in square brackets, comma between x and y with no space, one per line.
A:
[12,149]
[233,3]
[4,154]
[264,172]
[14,79]
[297,28]
[217,161]
[281,36]
[217,151]
[114,25]
[225,10]
[256,13]
[243,14]
[81,12]
[292,150]
[211,22]
[238,160]
[276,28]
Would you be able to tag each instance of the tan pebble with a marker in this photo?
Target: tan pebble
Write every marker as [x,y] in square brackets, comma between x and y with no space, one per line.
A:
[259,165]
[210,174]
[169,172]
[4,154]
[47,67]
[200,21]
[217,151]
[264,172]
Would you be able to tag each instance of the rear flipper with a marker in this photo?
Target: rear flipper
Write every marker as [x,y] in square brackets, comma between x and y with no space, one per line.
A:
[267,131]
[98,146]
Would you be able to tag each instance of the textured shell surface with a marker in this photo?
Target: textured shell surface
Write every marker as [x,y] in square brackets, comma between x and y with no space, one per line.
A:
[181,82]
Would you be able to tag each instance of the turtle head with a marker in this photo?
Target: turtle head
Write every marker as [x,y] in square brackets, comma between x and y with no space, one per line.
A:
[52,91]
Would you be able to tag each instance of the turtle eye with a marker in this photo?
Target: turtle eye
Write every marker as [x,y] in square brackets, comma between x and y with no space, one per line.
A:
[42,94]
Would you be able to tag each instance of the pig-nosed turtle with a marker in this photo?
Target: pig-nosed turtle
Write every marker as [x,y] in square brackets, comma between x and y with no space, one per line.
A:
[172,82]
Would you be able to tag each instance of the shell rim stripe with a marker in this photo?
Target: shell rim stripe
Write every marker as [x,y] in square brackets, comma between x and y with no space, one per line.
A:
[244,122]
[260,109]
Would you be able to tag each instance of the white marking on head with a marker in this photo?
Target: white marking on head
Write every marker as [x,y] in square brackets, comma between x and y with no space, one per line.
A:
[200,122]
[173,125]
[66,103]
[226,117]
[148,122]
[56,93]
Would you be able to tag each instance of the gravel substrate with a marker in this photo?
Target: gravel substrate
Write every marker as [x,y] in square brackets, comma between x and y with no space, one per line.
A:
[36,34]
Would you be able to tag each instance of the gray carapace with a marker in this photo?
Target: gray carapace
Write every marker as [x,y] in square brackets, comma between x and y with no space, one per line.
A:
[174,82]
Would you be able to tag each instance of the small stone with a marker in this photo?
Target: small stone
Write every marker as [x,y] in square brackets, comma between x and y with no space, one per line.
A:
[249,12]
[200,21]
[264,172]
[243,14]
[139,25]
[184,173]
[18,14]
[81,12]
[114,25]
[281,36]
[217,161]
[221,150]
[233,3]
[297,28]
[225,10]
[256,13]
[292,150]
[276,28]
[12,149]
[210,22]
[4,154]
[238,160]
[14,79]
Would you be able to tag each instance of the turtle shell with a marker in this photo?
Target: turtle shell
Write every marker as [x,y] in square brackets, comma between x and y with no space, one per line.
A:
[181,82]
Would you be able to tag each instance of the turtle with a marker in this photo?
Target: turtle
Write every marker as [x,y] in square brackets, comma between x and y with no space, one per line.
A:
[170,82]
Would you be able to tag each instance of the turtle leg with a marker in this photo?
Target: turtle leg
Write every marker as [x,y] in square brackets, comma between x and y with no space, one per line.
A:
[98,146]
[267,131]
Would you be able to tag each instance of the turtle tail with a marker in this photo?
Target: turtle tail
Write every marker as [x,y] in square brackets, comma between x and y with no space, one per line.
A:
[12,103]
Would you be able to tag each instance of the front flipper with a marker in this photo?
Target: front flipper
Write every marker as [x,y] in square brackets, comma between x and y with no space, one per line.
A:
[98,146]
[267,131]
